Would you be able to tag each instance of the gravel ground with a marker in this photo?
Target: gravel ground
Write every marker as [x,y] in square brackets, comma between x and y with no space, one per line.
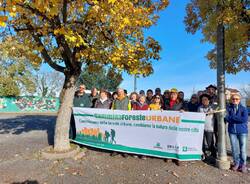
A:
[21,138]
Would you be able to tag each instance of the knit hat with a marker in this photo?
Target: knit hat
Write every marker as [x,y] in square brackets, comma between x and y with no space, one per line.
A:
[173,90]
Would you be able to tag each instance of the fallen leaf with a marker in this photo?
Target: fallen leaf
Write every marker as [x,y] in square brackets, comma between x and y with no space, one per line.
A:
[175,174]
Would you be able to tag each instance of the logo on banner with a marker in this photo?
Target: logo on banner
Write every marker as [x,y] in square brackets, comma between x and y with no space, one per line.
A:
[158,145]
[185,149]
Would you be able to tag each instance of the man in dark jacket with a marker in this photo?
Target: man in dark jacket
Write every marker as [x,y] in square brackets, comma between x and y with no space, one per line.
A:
[237,118]
[81,99]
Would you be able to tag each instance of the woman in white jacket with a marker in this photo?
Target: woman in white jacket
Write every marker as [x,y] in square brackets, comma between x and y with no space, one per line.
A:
[208,139]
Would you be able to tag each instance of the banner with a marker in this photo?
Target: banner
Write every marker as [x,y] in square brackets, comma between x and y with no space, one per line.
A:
[165,134]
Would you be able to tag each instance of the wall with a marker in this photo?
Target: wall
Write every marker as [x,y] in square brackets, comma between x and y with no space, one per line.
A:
[28,104]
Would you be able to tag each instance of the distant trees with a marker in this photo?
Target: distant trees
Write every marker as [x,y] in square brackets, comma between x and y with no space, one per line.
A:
[48,84]
[107,78]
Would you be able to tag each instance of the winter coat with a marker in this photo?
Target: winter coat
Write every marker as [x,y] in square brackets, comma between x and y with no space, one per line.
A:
[121,104]
[139,106]
[82,100]
[209,120]
[192,107]
[176,106]
[237,122]
[103,104]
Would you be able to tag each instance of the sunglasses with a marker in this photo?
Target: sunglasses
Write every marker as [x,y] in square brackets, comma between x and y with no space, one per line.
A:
[235,99]
[157,97]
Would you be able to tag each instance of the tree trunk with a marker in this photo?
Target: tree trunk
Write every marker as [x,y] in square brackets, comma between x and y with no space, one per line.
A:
[61,138]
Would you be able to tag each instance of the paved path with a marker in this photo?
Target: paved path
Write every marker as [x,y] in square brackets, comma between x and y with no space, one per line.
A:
[21,138]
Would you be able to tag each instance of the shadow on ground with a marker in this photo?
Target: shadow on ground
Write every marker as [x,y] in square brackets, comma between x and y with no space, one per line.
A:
[21,124]
[27,182]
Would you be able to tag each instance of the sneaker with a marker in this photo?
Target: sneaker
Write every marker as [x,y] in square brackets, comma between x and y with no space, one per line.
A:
[143,157]
[203,157]
[243,169]
[177,162]
[125,155]
[235,167]
[167,160]
[113,154]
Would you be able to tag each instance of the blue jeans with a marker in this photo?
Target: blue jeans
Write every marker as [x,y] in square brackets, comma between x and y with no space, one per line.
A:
[239,148]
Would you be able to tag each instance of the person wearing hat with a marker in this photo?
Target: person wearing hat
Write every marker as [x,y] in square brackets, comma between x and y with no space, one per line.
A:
[211,90]
[208,138]
[173,104]
[103,102]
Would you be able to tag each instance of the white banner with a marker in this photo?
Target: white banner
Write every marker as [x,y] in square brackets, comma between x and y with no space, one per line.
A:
[166,134]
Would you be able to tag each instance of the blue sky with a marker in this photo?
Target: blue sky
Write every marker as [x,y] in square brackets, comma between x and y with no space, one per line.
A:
[183,64]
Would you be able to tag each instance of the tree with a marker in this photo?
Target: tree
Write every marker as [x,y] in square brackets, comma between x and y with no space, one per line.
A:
[245,91]
[15,71]
[108,79]
[235,17]
[65,34]
[48,84]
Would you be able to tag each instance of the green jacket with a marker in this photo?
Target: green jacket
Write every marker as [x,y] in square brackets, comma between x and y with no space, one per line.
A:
[123,104]
[82,101]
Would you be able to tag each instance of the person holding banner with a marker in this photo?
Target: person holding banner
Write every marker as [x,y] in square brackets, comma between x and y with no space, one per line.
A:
[156,105]
[149,98]
[141,104]
[133,98]
[121,102]
[81,99]
[192,105]
[103,102]
[174,104]
[237,119]
[208,138]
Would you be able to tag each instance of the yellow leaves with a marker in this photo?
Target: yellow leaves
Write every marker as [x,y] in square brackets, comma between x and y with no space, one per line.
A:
[70,38]
[2,24]
[126,21]
[111,1]
[12,14]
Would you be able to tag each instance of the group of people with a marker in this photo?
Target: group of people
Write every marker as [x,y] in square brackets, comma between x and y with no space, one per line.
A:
[173,100]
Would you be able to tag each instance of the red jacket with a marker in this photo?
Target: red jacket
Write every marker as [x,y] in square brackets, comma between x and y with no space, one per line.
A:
[138,106]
